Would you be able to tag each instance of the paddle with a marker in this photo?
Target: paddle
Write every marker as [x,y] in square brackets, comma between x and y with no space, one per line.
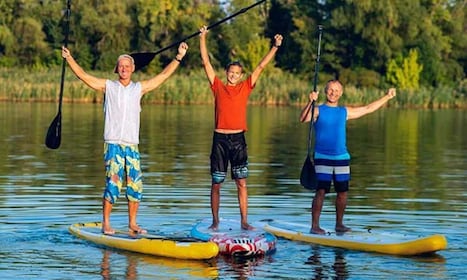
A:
[54,133]
[144,58]
[308,175]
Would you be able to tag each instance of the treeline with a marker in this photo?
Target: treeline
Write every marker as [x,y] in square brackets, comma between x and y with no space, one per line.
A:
[366,43]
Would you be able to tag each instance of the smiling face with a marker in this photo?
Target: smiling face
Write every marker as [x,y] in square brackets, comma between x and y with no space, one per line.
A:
[234,74]
[125,67]
[333,92]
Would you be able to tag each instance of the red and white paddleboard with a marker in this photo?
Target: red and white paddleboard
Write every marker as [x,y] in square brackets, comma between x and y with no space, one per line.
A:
[234,241]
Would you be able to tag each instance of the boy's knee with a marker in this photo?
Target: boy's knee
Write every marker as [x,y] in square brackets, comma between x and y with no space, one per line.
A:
[218,177]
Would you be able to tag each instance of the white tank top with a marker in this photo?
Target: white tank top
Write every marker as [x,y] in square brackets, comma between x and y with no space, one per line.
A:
[122,108]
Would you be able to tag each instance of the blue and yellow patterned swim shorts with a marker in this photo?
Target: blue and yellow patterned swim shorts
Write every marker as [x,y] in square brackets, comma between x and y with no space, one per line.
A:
[121,160]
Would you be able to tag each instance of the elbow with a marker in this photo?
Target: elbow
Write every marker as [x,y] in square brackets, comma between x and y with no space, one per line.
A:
[205,61]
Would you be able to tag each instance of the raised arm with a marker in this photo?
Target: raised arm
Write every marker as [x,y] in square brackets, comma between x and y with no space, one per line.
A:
[357,112]
[305,115]
[266,59]
[157,80]
[210,73]
[89,80]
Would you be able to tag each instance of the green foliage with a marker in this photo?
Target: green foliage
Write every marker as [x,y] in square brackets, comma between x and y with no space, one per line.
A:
[30,36]
[274,87]
[359,36]
[406,74]
[253,52]
[360,77]
[368,30]
[7,39]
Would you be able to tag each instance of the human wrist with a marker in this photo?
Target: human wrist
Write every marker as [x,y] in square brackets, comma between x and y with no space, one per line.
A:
[178,58]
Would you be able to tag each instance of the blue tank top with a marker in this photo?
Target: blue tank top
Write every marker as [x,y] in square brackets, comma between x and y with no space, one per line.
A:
[330,132]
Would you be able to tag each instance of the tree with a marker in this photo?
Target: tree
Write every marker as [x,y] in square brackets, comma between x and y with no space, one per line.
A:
[405,75]
[29,35]
[100,32]
[244,36]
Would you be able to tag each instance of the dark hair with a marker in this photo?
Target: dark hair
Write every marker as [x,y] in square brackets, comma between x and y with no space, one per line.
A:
[331,82]
[233,63]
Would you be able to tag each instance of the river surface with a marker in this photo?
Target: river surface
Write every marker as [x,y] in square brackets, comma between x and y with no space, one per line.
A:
[409,175]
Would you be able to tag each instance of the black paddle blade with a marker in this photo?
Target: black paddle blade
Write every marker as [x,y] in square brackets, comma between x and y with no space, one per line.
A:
[142,59]
[308,175]
[54,134]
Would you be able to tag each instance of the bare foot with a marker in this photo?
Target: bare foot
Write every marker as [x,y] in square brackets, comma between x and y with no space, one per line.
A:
[138,230]
[342,229]
[317,231]
[108,230]
[214,227]
[247,226]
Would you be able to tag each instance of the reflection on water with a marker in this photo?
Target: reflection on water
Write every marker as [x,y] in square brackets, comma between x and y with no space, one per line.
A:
[337,270]
[128,266]
[409,175]
[244,268]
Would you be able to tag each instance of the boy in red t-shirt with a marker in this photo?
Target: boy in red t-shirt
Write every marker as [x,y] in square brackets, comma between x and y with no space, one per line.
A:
[229,143]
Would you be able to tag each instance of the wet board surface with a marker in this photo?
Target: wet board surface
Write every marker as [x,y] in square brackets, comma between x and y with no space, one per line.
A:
[151,244]
[363,240]
[234,241]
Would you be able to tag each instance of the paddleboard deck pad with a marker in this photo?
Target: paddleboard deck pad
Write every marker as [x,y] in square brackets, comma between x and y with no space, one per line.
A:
[234,241]
[365,240]
[150,244]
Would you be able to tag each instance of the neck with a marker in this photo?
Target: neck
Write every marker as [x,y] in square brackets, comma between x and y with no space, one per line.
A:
[331,104]
[124,82]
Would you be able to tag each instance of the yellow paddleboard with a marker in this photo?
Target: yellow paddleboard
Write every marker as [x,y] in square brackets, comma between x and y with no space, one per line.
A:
[370,241]
[165,246]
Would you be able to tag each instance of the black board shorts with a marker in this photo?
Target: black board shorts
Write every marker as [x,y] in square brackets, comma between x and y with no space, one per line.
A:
[228,148]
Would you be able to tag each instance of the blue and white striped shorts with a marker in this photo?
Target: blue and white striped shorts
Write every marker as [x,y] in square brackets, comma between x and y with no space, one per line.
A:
[332,170]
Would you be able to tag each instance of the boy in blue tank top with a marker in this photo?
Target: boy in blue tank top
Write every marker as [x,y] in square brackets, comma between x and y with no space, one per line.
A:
[331,157]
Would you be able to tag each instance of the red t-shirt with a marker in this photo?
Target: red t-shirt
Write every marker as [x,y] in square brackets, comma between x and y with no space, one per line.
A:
[231,103]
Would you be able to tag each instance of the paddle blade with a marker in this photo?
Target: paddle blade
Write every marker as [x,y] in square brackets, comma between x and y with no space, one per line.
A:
[54,134]
[308,175]
[142,59]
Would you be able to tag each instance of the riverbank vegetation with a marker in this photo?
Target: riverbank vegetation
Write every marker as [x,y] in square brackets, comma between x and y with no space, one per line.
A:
[191,87]
[415,46]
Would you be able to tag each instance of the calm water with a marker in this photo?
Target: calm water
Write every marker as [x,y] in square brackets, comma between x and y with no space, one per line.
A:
[409,175]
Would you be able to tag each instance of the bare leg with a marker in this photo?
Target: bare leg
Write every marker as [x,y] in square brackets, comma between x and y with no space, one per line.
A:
[341,204]
[243,202]
[215,204]
[106,210]
[316,208]
[132,212]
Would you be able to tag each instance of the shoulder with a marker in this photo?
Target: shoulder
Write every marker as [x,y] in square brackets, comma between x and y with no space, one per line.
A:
[217,83]
[217,80]
[249,81]
[111,82]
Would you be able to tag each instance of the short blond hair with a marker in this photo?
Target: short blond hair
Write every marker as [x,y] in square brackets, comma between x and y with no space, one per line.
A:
[124,56]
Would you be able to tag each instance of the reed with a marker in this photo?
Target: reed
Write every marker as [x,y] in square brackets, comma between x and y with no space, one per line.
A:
[273,88]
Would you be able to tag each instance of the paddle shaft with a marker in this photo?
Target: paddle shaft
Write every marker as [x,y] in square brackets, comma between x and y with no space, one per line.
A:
[198,32]
[65,43]
[54,133]
[315,83]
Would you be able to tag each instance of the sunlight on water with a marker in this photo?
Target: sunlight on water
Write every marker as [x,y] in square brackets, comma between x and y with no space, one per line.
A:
[412,185]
